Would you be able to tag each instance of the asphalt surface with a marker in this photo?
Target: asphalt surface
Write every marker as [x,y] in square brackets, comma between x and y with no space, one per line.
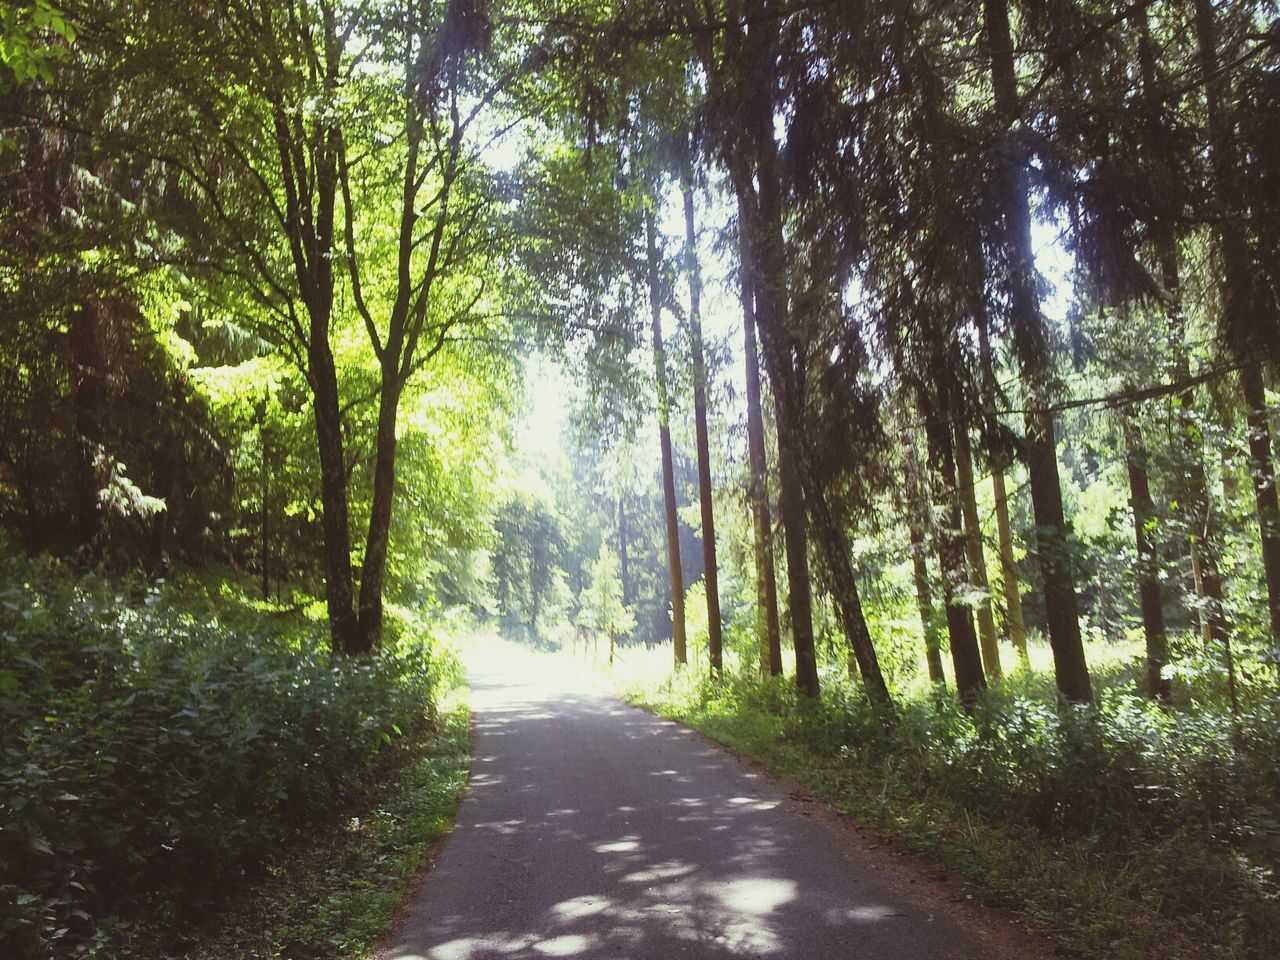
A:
[593,829]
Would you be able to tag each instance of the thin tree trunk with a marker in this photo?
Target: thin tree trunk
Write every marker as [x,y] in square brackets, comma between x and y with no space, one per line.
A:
[715,638]
[1009,580]
[1052,533]
[762,522]
[1239,302]
[265,511]
[924,603]
[966,658]
[664,439]
[751,157]
[1192,483]
[1201,520]
[624,565]
[85,331]
[1262,474]
[792,512]
[988,640]
[767,251]
[834,545]
[919,521]
[1149,589]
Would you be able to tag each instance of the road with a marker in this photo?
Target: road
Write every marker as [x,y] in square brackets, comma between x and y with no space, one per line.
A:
[593,829]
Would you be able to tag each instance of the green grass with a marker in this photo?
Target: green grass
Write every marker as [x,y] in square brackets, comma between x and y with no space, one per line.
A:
[339,898]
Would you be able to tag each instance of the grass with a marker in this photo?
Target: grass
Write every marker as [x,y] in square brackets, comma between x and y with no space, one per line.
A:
[340,897]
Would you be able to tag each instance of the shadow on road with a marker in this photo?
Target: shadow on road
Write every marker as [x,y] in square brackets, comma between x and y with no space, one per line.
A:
[592,829]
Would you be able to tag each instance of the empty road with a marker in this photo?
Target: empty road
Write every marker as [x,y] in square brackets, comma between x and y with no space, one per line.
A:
[593,829]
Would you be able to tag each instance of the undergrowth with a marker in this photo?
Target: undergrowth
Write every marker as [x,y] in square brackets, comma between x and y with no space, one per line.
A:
[1125,830]
[164,745]
[337,898]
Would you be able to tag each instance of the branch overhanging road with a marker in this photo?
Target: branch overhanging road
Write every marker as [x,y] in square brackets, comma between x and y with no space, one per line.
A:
[593,829]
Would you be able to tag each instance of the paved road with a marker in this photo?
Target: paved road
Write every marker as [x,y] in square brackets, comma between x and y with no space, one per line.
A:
[592,829]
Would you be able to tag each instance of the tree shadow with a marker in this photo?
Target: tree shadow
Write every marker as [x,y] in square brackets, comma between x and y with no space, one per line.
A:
[593,829]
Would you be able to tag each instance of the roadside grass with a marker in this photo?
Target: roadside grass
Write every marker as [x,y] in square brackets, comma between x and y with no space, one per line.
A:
[338,898]
[1122,833]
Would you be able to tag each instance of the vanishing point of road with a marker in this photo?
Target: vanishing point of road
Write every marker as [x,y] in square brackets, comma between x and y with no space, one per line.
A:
[593,829]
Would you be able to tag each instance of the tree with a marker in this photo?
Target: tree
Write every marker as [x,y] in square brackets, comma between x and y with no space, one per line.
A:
[602,606]
[331,149]
[758,490]
[1030,344]
[664,440]
[1250,317]
[715,628]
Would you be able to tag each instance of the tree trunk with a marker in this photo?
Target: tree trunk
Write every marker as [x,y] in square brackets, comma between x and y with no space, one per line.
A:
[768,268]
[1244,333]
[924,603]
[335,521]
[987,638]
[624,564]
[791,510]
[664,439]
[919,521]
[1263,476]
[1196,506]
[1056,563]
[1191,484]
[85,331]
[373,571]
[715,638]
[1052,533]
[966,659]
[786,379]
[758,491]
[834,545]
[1009,580]
[1149,590]
[264,516]
[751,157]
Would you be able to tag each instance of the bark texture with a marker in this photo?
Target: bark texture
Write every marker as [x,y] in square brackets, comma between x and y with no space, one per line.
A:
[1029,337]
[988,640]
[664,439]
[758,492]
[966,658]
[706,499]
[1150,591]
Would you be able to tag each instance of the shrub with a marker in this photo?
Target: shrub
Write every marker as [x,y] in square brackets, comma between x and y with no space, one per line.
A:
[159,745]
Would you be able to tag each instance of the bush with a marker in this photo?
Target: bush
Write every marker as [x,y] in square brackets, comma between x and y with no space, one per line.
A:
[159,745]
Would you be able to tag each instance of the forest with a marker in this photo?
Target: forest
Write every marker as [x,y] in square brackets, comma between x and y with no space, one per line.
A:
[886,390]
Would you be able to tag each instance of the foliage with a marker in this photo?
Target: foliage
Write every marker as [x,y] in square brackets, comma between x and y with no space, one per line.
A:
[526,558]
[165,741]
[21,52]
[337,898]
[603,611]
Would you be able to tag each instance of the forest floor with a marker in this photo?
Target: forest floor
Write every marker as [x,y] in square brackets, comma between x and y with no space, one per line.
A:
[594,829]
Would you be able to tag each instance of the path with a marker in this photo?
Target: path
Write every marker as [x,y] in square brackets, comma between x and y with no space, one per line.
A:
[593,829]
